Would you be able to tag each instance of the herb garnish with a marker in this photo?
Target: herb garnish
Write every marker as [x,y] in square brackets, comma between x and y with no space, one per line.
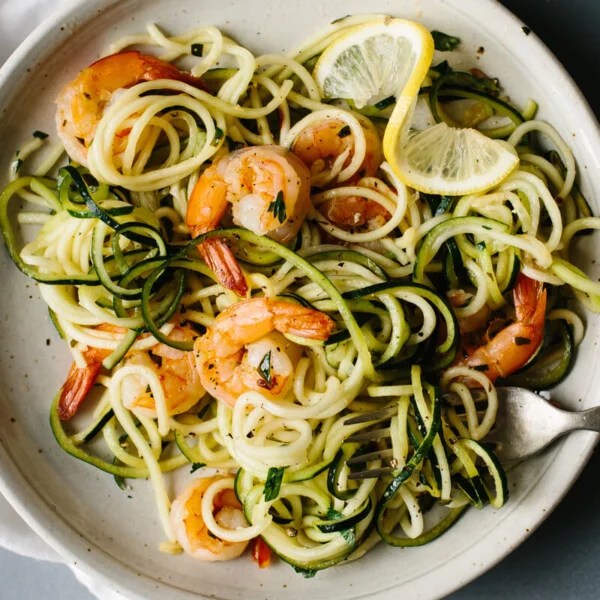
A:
[273,483]
[444,42]
[277,207]
[196,49]
[344,131]
[264,369]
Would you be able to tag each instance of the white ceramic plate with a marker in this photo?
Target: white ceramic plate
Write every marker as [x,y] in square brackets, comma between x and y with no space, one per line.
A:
[114,536]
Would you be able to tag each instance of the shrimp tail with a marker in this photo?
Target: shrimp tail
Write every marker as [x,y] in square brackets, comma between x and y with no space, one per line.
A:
[514,346]
[530,299]
[220,259]
[76,388]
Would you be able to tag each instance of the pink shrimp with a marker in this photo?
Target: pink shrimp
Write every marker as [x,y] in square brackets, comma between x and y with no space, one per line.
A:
[81,102]
[267,189]
[244,350]
[177,374]
[191,530]
[321,144]
[79,382]
[512,347]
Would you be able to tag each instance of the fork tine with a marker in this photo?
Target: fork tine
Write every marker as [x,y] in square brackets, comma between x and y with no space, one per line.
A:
[371,473]
[376,415]
[363,458]
[367,436]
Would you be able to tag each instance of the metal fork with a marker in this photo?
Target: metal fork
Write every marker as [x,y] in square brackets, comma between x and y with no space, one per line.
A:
[525,424]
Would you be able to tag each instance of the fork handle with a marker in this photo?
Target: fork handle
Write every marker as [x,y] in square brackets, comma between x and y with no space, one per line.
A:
[586,419]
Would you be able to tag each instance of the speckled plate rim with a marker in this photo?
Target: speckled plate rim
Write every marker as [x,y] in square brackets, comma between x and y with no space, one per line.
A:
[568,458]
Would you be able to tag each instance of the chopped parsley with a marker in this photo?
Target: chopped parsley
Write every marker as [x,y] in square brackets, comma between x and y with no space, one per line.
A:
[277,207]
[344,131]
[306,573]
[264,368]
[273,483]
[196,49]
[444,42]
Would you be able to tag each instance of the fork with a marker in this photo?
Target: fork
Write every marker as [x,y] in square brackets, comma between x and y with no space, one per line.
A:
[525,424]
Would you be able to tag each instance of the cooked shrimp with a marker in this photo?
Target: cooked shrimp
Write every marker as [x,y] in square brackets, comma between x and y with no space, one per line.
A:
[329,142]
[243,350]
[327,147]
[191,530]
[513,346]
[177,374]
[81,103]
[354,211]
[267,189]
[79,382]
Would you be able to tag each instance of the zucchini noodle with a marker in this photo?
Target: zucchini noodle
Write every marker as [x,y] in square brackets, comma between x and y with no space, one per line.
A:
[407,291]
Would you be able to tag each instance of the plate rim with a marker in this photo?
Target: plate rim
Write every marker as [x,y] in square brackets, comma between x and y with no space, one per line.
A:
[62,537]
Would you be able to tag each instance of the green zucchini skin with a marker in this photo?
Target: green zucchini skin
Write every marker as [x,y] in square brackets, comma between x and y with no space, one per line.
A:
[445,350]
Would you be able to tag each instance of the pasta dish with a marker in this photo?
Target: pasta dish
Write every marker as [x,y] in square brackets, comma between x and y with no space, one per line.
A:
[295,280]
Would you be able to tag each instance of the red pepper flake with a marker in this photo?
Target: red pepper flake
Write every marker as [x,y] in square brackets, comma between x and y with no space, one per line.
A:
[261,553]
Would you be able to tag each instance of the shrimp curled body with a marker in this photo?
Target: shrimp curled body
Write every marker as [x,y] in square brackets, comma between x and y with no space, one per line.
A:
[81,102]
[174,368]
[266,189]
[512,347]
[328,147]
[191,530]
[244,349]
[176,372]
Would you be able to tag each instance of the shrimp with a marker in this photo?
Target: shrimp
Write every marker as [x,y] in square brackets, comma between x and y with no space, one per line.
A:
[268,191]
[79,382]
[191,530]
[354,212]
[177,374]
[244,349]
[320,145]
[512,347]
[81,102]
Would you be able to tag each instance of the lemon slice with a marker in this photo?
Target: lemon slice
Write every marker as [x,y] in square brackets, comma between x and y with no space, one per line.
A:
[376,60]
[448,161]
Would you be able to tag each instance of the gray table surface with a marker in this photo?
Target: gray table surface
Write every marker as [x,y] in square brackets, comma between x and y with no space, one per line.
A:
[561,559]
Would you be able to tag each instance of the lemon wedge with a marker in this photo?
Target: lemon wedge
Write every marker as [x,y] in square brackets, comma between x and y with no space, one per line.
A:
[390,57]
[448,161]
[376,60]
